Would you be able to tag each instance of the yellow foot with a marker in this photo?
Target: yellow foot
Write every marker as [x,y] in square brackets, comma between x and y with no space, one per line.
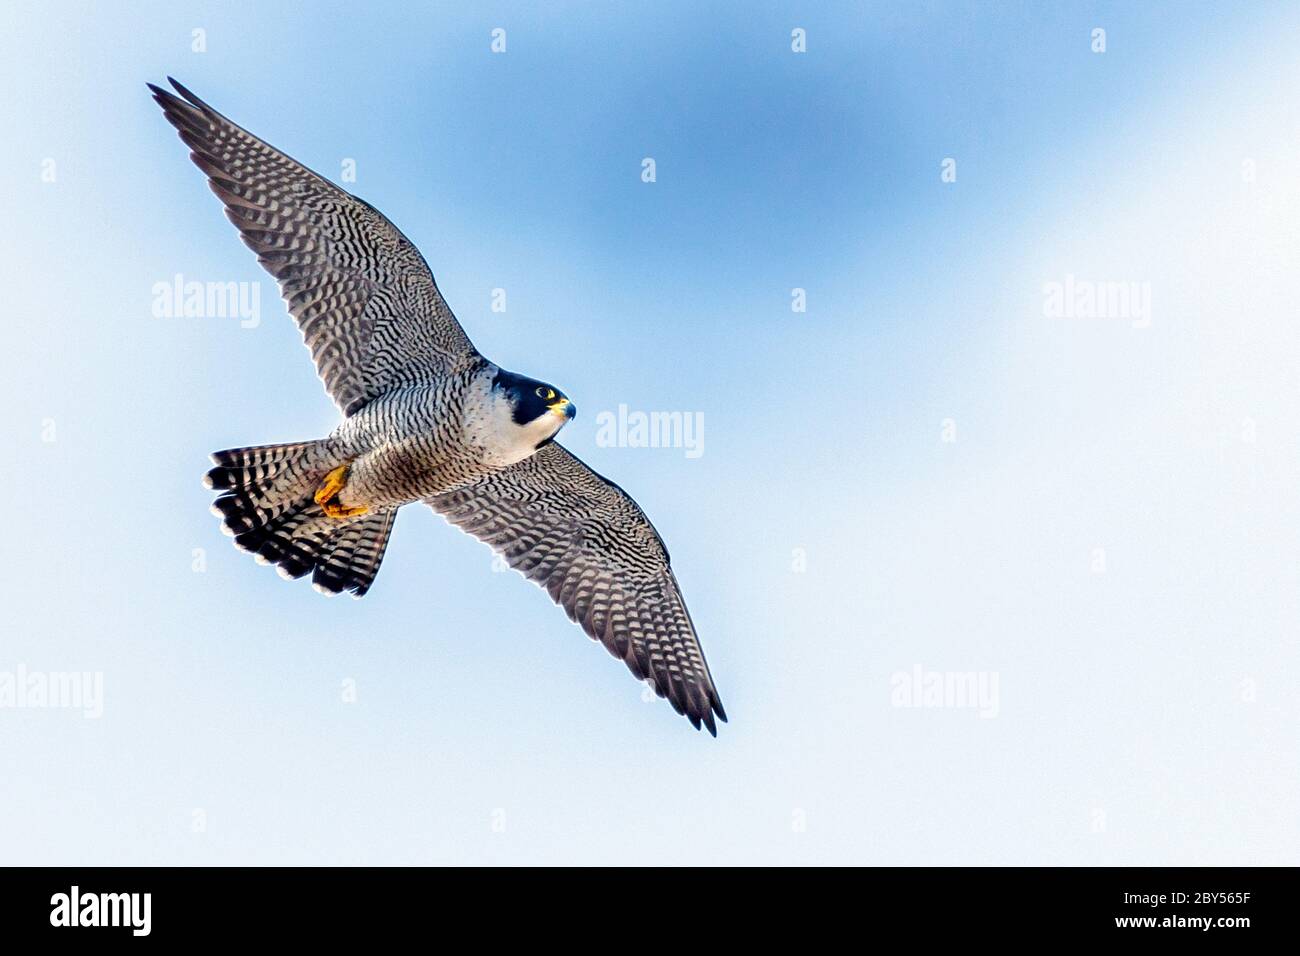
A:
[327,495]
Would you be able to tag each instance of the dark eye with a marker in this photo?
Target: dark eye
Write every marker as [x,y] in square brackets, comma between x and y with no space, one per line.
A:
[544,392]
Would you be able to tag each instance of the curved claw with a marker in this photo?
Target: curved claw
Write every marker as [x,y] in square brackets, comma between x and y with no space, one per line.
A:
[327,495]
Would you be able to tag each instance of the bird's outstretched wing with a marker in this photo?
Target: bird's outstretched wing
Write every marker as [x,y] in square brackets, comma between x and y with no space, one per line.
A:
[582,539]
[359,290]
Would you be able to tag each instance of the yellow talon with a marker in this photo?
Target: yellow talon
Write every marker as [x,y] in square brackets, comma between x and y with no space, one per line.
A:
[333,484]
[327,494]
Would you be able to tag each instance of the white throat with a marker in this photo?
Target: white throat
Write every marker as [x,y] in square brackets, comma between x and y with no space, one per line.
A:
[490,426]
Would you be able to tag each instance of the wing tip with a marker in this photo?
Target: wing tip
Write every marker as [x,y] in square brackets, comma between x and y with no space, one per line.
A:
[714,708]
[184,91]
[716,703]
[163,98]
[704,717]
[172,103]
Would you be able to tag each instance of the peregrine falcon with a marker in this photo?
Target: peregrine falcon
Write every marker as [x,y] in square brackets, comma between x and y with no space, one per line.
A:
[425,418]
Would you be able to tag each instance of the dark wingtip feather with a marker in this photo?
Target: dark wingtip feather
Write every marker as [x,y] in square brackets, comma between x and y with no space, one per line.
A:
[191,98]
[165,98]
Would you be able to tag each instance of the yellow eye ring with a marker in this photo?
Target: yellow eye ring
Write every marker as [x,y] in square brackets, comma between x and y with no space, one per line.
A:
[546,393]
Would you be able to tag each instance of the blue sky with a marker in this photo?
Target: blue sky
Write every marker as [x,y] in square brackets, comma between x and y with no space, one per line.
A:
[923,472]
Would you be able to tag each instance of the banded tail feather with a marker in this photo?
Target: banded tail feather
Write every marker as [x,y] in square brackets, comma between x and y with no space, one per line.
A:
[268,505]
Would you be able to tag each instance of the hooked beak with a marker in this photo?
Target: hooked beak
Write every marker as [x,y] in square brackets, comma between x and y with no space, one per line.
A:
[564,408]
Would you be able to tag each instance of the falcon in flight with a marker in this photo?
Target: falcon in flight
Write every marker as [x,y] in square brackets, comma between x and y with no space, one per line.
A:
[425,418]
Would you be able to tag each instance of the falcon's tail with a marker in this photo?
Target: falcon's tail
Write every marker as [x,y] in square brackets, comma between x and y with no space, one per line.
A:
[268,505]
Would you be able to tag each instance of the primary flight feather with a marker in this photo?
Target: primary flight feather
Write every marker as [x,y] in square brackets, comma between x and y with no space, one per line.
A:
[426,418]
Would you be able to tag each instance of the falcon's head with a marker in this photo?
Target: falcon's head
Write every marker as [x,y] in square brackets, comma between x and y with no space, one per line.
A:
[540,410]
